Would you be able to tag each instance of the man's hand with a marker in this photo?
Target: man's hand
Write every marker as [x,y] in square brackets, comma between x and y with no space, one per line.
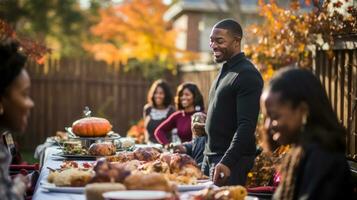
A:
[198,129]
[221,174]
[179,149]
[21,183]
[175,148]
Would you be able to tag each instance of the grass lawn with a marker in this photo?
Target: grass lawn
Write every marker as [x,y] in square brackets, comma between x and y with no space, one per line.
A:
[28,157]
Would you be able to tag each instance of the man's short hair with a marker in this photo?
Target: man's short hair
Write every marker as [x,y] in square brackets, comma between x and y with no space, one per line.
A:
[230,25]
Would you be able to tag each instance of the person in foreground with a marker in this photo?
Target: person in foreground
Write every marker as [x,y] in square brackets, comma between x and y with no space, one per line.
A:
[188,101]
[15,105]
[233,109]
[157,109]
[298,112]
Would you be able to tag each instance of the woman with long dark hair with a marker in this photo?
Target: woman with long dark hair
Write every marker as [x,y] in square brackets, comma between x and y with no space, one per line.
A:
[299,113]
[188,101]
[157,109]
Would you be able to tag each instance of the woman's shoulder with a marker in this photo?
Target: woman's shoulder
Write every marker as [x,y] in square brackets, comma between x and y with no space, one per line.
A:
[147,108]
[317,155]
[177,113]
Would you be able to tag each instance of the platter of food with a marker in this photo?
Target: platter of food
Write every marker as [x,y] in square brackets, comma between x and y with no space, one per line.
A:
[74,149]
[60,138]
[71,177]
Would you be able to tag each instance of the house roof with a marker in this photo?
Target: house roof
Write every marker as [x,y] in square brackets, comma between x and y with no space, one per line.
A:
[194,5]
[206,6]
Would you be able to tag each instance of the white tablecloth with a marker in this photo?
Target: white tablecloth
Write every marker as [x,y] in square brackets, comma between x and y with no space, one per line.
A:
[52,162]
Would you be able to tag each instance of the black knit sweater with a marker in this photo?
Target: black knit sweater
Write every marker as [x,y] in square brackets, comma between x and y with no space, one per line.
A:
[233,110]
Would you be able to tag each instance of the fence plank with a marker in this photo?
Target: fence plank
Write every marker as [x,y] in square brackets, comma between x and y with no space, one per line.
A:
[349,95]
[342,87]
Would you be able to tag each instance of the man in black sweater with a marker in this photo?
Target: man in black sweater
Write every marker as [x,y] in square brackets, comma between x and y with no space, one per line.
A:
[233,108]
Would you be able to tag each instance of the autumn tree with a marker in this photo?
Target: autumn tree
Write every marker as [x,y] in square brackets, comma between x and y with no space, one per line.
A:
[134,34]
[289,36]
[61,25]
[33,49]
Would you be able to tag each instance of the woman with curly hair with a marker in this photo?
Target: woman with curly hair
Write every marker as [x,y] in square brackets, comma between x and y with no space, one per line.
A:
[15,106]
[298,113]
[157,109]
[188,101]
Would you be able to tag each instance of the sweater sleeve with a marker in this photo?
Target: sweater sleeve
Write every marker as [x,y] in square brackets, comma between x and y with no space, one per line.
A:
[250,85]
[9,190]
[165,128]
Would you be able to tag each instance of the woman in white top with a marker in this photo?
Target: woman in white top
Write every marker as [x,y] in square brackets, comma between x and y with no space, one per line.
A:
[158,108]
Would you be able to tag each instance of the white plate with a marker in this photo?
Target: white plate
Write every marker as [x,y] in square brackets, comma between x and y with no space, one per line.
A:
[53,188]
[136,195]
[158,146]
[200,186]
[202,181]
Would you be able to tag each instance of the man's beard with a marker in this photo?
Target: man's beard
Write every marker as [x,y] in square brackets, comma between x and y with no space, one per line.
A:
[218,60]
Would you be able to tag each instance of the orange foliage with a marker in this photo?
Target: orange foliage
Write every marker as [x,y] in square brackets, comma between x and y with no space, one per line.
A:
[137,132]
[134,29]
[287,35]
[33,49]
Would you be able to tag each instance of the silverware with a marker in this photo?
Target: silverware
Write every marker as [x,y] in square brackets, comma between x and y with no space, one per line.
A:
[51,169]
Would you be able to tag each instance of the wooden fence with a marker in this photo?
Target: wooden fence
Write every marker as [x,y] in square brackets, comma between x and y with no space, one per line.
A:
[338,74]
[61,90]
[202,79]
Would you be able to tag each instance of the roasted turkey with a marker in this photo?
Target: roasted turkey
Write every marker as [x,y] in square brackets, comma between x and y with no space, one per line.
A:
[146,153]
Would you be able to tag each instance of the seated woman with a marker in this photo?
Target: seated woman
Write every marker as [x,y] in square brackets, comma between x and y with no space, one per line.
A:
[157,109]
[188,101]
[298,113]
[15,105]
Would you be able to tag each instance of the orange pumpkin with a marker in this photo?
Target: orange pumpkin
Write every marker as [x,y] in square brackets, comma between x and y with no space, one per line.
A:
[91,127]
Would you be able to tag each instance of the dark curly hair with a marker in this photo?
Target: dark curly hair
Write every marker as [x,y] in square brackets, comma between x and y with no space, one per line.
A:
[11,63]
[197,96]
[168,95]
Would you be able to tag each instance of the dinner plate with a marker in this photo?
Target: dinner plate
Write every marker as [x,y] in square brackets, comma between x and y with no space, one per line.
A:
[203,180]
[261,195]
[136,195]
[53,188]
[199,186]
[77,157]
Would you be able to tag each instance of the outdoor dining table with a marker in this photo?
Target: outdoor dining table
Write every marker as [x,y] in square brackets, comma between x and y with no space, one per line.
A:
[53,161]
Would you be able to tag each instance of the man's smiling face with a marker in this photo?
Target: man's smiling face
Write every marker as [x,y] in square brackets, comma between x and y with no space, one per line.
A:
[223,44]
